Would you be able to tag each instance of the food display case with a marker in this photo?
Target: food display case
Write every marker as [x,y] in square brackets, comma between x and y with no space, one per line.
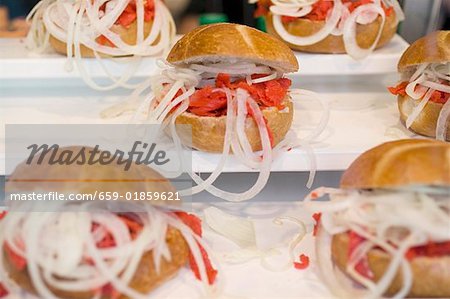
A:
[355,112]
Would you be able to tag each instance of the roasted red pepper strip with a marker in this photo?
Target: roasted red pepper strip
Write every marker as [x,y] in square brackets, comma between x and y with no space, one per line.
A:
[3,291]
[269,131]
[436,97]
[196,225]
[316,217]
[430,250]
[205,102]
[439,97]
[108,291]
[17,260]
[3,214]
[134,228]
[128,16]
[303,264]
[400,89]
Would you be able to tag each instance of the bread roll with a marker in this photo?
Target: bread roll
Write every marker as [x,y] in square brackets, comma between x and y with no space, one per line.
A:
[400,163]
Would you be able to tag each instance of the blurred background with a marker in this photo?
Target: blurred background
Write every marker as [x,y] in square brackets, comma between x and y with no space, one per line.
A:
[422,16]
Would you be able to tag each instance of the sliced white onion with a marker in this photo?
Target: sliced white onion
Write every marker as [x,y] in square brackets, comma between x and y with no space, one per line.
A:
[204,184]
[293,3]
[436,86]
[240,142]
[416,110]
[399,14]
[419,71]
[292,246]
[242,255]
[386,220]
[443,122]
[264,168]
[56,265]
[412,86]
[57,18]
[330,24]
[349,31]
[427,79]
[237,229]
[339,29]
[338,22]
[441,70]
[156,107]
[265,78]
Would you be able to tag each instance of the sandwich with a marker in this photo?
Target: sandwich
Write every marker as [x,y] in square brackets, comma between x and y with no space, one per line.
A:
[234,57]
[387,227]
[223,89]
[424,88]
[111,28]
[355,27]
[93,249]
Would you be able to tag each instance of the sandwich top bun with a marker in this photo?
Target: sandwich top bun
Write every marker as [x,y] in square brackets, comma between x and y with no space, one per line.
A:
[400,163]
[226,42]
[433,48]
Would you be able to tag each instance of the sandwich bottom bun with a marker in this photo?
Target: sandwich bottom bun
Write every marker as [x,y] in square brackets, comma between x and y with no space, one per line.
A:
[431,275]
[425,123]
[207,133]
[365,34]
[128,36]
[145,279]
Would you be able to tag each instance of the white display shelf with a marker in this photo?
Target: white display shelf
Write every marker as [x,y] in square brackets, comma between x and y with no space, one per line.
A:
[16,62]
[358,121]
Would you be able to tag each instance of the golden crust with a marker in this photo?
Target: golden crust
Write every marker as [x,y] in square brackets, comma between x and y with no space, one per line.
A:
[425,124]
[399,164]
[431,275]
[208,132]
[365,34]
[433,48]
[145,279]
[232,42]
[128,35]
[85,178]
